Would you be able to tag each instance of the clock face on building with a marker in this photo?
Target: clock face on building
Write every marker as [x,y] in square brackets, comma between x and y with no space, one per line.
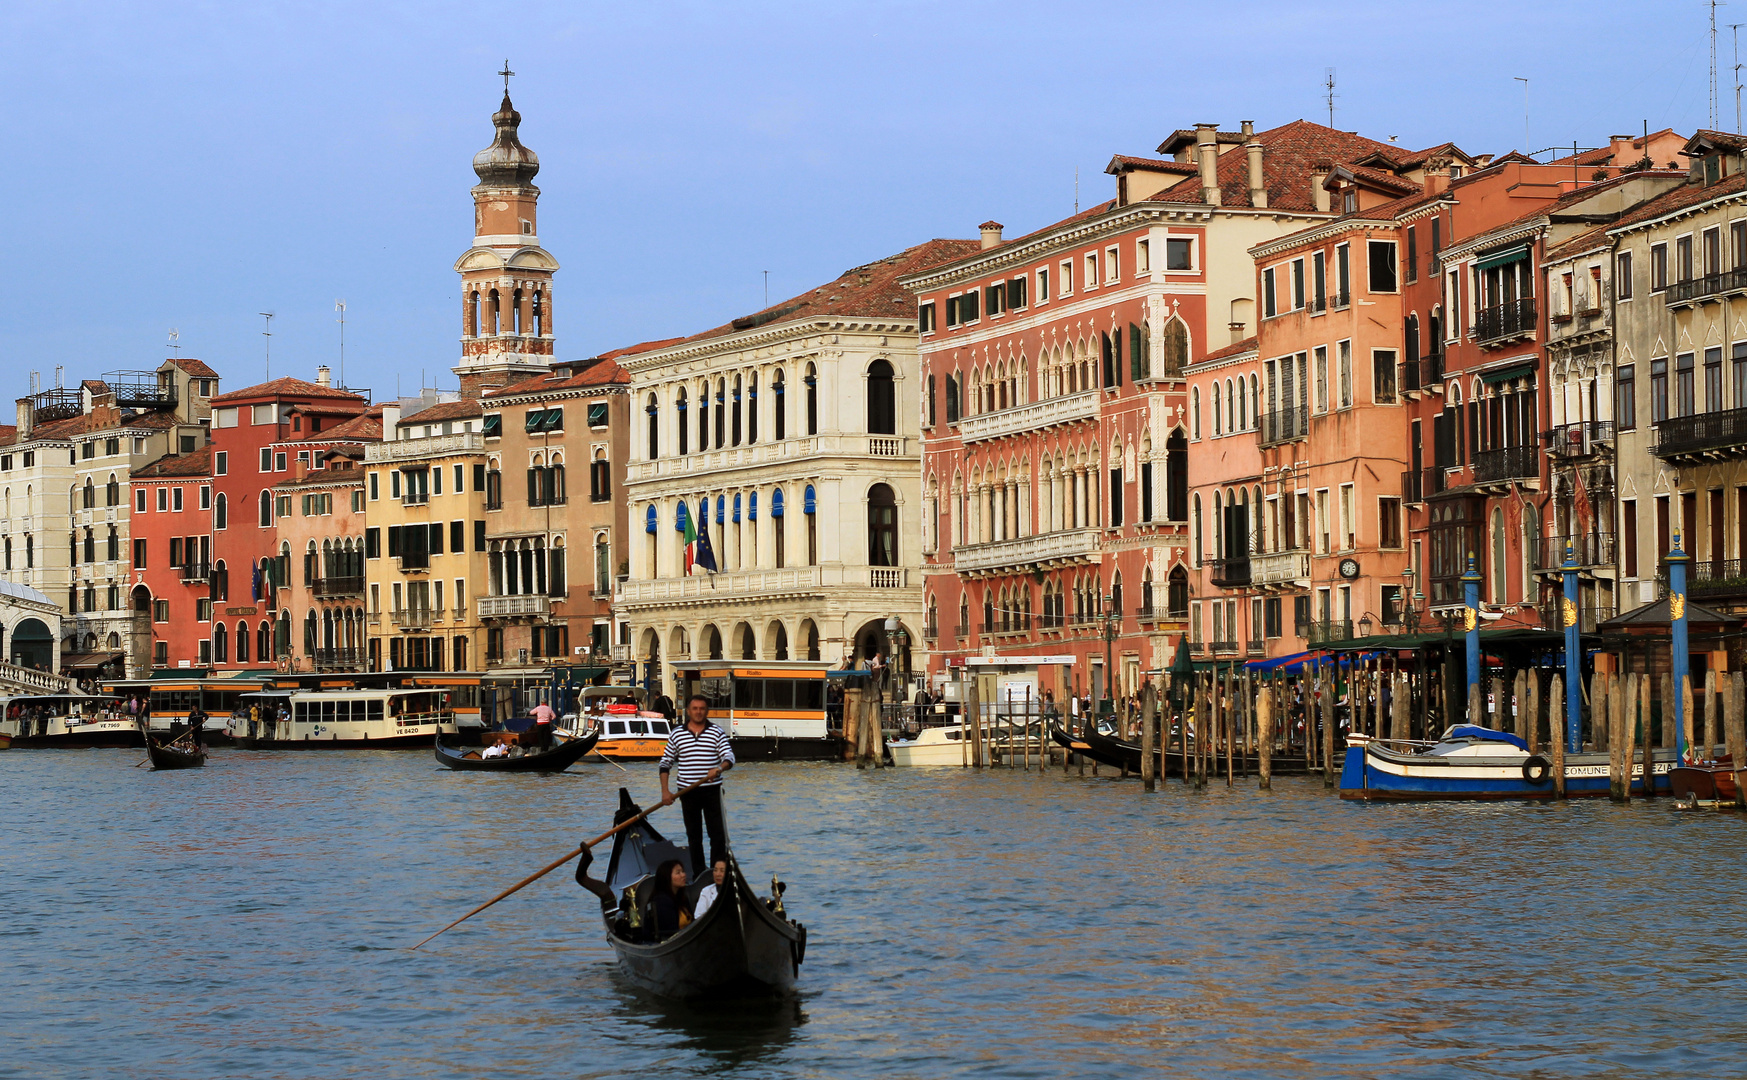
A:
[1349,568]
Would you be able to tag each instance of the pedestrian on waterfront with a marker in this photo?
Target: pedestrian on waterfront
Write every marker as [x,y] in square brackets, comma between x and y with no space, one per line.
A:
[700,752]
[664,705]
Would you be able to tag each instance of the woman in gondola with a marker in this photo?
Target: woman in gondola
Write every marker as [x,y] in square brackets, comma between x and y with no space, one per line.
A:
[669,910]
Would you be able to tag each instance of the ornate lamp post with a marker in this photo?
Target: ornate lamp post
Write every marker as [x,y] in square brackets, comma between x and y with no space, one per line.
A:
[900,665]
[1112,618]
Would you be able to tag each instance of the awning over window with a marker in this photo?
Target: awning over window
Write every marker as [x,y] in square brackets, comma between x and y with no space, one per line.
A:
[1499,258]
[494,425]
[1515,371]
[88,661]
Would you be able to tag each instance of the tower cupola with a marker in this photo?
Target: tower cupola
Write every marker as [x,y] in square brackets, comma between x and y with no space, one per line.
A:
[506,162]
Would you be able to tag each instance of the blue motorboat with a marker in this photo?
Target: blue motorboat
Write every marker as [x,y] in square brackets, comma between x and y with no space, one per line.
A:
[1473,762]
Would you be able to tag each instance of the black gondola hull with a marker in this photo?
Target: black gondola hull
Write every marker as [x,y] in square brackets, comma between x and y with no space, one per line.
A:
[557,759]
[173,757]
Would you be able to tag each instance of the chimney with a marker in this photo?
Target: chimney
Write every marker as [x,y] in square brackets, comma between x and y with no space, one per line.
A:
[390,418]
[323,376]
[1258,187]
[1207,156]
[1318,176]
[26,413]
[991,234]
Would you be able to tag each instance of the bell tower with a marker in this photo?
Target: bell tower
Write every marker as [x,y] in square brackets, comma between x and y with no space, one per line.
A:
[506,276]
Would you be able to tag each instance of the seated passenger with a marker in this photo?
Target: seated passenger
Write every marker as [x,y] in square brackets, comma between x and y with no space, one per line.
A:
[706,897]
[669,912]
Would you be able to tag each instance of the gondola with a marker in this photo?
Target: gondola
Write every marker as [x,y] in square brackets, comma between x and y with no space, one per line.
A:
[173,756]
[565,752]
[1102,748]
[743,945]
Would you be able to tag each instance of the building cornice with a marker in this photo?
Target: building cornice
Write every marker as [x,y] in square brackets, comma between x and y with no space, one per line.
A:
[768,336]
[1467,248]
[1116,220]
[1676,215]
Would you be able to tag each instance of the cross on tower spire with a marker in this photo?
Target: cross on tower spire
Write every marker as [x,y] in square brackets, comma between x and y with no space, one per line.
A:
[506,73]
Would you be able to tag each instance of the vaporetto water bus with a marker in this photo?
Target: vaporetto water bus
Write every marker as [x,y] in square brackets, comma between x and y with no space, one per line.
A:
[346,719]
[67,721]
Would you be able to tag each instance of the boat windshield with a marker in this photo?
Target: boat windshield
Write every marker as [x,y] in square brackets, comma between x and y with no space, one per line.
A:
[639,727]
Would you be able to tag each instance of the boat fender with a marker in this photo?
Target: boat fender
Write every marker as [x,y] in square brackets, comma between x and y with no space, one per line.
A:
[1536,769]
[798,947]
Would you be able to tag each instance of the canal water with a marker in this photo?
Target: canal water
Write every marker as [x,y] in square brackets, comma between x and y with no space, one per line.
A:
[252,919]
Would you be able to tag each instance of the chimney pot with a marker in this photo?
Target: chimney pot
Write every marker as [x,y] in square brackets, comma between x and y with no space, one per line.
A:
[26,414]
[390,418]
[1207,154]
[991,234]
[1318,193]
[1258,186]
[323,375]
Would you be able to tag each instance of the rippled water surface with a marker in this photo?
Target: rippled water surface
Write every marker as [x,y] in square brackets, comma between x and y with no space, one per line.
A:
[252,919]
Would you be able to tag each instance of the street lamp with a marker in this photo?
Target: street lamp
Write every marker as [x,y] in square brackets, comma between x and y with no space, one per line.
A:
[1410,609]
[1365,625]
[899,640]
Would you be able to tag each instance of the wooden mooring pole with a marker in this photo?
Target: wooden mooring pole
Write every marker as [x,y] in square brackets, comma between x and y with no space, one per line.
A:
[1735,732]
[1147,702]
[1555,714]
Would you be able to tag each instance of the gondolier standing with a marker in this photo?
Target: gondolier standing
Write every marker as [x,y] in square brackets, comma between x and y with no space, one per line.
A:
[699,752]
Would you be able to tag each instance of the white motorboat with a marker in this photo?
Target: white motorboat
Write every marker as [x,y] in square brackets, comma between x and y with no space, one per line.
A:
[934,746]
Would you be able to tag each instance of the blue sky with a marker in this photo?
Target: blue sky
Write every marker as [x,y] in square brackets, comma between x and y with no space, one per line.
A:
[191,165]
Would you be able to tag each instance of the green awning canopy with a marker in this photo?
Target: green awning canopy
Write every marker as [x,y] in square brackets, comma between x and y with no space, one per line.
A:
[1499,258]
[1515,371]
[494,424]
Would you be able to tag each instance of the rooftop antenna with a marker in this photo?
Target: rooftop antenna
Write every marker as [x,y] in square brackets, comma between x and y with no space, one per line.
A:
[1736,28]
[767,288]
[59,369]
[340,306]
[1525,83]
[1076,189]
[35,383]
[1714,112]
[1328,87]
[268,334]
[175,342]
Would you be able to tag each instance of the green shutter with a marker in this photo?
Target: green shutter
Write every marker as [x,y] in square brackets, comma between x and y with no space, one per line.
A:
[535,418]
[494,425]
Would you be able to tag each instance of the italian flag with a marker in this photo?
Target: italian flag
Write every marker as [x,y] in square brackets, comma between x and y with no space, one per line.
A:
[691,544]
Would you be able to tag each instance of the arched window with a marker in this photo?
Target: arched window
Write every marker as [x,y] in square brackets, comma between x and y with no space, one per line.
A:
[1177,594]
[221,512]
[264,641]
[1116,596]
[653,411]
[882,411]
[779,407]
[703,416]
[309,633]
[1196,528]
[778,528]
[809,506]
[752,408]
[882,526]
[812,381]
[265,517]
[112,492]
[721,413]
[1175,346]
[734,427]
[90,493]
[242,643]
[679,419]
[1218,413]
[1195,412]
[220,644]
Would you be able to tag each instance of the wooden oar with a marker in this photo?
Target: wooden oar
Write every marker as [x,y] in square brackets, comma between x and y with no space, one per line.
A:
[560,861]
[609,761]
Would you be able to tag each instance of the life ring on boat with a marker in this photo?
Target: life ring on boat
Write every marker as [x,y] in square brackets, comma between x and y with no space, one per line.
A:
[1536,769]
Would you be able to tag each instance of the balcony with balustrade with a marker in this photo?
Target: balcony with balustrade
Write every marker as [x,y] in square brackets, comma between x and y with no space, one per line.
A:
[1713,436]
[412,618]
[1710,286]
[523,605]
[1504,323]
[1327,630]
[1579,439]
[1506,465]
[1231,573]
[339,585]
[1590,550]
[1709,579]
[1032,416]
[1062,548]
[1280,569]
[1285,425]
[390,450]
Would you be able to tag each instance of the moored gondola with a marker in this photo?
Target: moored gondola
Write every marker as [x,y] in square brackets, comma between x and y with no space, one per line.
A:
[743,945]
[566,751]
[1102,748]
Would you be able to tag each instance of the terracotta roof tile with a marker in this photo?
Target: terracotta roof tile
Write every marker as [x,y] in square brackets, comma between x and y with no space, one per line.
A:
[465,409]
[197,463]
[1680,198]
[365,427]
[868,290]
[196,368]
[1290,154]
[1185,139]
[286,387]
[1235,349]
[600,372]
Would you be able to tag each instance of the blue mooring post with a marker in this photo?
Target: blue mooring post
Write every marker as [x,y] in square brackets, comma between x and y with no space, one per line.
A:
[1471,623]
[1573,656]
[1677,630]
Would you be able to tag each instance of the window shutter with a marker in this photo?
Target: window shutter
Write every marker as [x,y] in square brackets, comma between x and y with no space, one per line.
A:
[436,538]
[533,487]
[1134,369]
[479,478]
[1109,365]
[393,541]
[479,536]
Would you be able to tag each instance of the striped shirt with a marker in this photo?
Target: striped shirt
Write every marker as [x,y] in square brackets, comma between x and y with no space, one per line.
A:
[691,756]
